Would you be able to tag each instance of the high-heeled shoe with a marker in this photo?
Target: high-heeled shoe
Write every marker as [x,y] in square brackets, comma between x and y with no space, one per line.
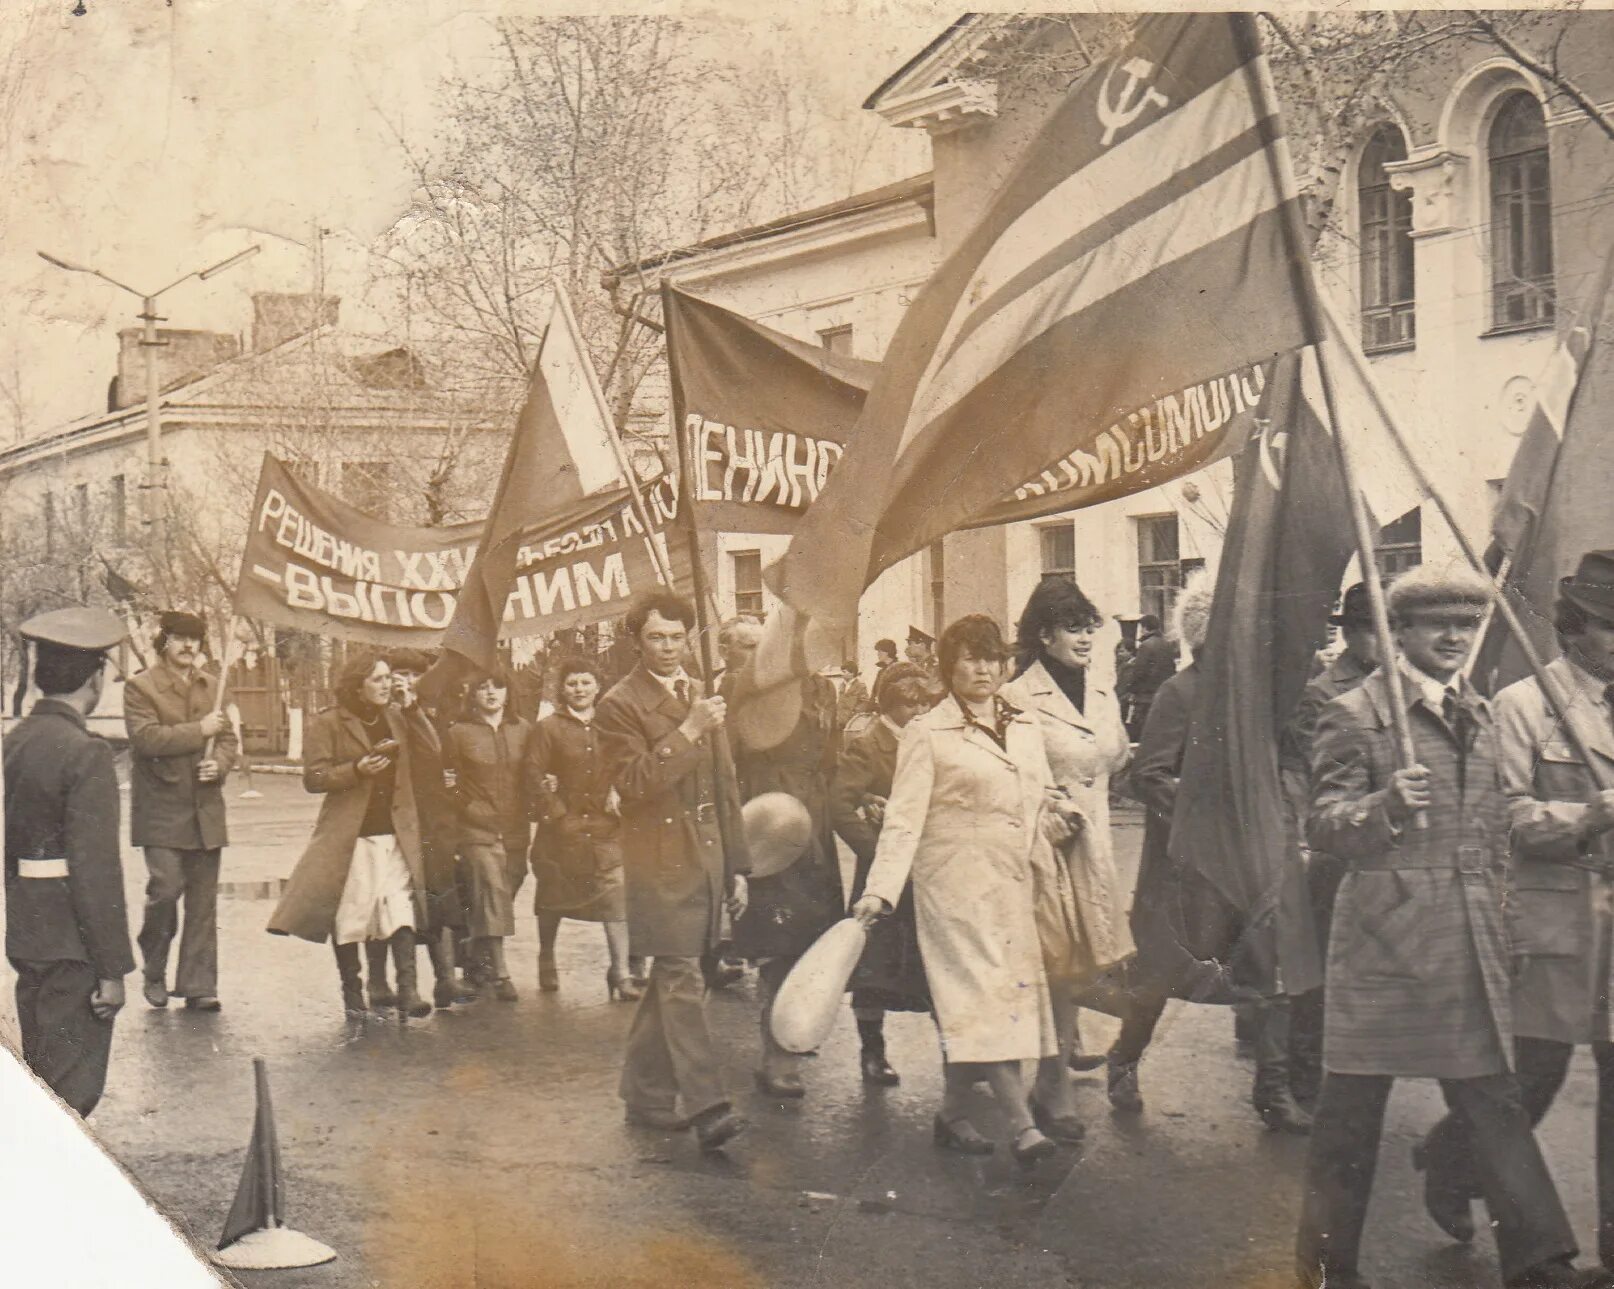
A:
[548,976]
[1028,1152]
[620,988]
[959,1135]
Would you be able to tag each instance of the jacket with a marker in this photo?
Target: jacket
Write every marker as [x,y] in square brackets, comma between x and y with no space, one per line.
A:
[331,752]
[1084,749]
[674,860]
[62,803]
[1560,918]
[1418,957]
[167,806]
[1150,667]
[490,780]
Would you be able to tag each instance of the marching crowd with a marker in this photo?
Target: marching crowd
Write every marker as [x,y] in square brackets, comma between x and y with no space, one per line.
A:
[1441,915]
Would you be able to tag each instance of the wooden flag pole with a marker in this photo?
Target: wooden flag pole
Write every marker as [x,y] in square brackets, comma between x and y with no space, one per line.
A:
[1277,154]
[1500,602]
[641,511]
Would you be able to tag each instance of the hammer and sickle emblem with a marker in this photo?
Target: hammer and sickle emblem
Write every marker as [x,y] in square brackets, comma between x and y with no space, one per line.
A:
[1137,95]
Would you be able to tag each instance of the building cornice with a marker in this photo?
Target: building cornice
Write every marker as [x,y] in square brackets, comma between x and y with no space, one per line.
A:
[933,90]
[944,108]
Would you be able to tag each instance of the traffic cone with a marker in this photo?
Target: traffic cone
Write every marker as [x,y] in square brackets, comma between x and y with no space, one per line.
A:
[254,1238]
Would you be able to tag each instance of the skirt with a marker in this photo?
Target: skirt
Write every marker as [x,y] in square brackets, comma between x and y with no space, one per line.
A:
[377,899]
[577,865]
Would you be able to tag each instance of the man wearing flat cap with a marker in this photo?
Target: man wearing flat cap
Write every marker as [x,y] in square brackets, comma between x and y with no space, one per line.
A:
[183,747]
[1418,965]
[67,934]
[1563,887]
[1354,664]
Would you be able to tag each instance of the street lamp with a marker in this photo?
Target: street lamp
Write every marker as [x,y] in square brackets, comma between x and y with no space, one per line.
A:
[150,343]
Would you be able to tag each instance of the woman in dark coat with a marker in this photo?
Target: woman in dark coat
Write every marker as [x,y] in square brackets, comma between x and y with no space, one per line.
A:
[891,975]
[361,879]
[789,910]
[577,850]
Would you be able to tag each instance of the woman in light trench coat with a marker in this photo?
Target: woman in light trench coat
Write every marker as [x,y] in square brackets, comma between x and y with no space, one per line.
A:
[1086,743]
[968,805]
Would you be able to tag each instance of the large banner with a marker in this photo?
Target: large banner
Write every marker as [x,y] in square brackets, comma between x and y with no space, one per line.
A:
[766,418]
[314,563]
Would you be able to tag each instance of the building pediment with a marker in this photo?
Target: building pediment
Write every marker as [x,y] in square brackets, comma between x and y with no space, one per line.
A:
[936,90]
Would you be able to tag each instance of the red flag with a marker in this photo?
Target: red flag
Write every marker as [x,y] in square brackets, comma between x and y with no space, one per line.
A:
[560,452]
[1289,539]
[1554,505]
[1138,247]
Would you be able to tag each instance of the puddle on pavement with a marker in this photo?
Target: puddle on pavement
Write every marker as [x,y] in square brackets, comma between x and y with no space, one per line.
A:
[265,890]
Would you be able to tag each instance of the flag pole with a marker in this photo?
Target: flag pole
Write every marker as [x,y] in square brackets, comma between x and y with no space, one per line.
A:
[722,753]
[641,512]
[1500,602]
[1277,154]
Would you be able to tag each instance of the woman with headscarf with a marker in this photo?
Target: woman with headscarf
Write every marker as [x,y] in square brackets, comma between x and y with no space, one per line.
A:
[970,796]
[576,851]
[361,879]
[1084,919]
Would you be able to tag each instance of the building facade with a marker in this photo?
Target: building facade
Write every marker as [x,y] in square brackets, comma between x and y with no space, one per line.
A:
[1468,225]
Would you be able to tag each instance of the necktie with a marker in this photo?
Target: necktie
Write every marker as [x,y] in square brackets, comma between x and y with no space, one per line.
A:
[681,688]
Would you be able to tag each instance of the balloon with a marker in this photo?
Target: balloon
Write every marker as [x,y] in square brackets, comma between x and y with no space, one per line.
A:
[805,1008]
[777,832]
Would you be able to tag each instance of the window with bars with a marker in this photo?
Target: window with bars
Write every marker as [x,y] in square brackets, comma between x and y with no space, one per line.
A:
[746,567]
[81,509]
[1058,542]
[50,524]
[1522,286]
[1159,565]
[1385,228]
[1400,544]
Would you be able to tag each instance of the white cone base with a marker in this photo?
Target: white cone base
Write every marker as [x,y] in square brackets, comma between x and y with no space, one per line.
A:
[273,1248]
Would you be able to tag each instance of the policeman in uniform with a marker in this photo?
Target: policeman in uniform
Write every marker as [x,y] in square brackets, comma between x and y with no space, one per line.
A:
[67,934]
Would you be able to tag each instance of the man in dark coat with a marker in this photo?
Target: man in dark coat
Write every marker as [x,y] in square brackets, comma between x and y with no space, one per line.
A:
[183,747]
[1418,961]
[1153,663]
[1563,865]
[657,732]
[67,935]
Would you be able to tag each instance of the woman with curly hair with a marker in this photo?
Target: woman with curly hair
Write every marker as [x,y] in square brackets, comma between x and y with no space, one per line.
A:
[968,801]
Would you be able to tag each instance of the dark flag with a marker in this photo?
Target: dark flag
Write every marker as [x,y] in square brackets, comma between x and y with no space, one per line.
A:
[1138,247]
[1555,503]
[560,452]
[1289,539]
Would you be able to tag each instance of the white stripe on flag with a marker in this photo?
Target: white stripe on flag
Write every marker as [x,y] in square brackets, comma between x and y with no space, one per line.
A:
[1109,182]
[582,419]
[1213,210]
[1558,381]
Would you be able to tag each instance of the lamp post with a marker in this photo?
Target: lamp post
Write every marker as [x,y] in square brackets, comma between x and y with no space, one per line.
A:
[156,482]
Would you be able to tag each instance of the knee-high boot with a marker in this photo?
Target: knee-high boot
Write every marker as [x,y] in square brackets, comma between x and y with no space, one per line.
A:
[410,1003]
[347,966]
[381,995]
[1272,1097]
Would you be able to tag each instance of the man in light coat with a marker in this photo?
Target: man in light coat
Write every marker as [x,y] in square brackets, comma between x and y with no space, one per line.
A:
[1418,961]
[657,732]
[1563,880]
[183,748]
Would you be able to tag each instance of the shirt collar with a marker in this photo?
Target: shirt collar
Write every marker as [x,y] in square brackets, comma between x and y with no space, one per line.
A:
[670,683]
[1432,691]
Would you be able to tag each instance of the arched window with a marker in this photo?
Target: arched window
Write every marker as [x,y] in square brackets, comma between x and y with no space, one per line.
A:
[1521,215]
[1388,320]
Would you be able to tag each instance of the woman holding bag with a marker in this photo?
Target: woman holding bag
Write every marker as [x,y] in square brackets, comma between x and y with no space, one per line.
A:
[967,803]
[360,880]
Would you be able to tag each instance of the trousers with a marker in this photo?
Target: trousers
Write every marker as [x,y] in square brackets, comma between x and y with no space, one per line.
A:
[1540,1065]
[670,1055]
[193,874]
[62,1040]
[1529,1219]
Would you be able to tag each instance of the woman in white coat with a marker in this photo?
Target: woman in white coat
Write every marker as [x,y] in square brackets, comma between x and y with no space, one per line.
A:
[1085,924]
[967,805]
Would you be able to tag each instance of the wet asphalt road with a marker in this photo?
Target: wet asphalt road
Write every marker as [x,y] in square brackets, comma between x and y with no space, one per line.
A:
[485,1146]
